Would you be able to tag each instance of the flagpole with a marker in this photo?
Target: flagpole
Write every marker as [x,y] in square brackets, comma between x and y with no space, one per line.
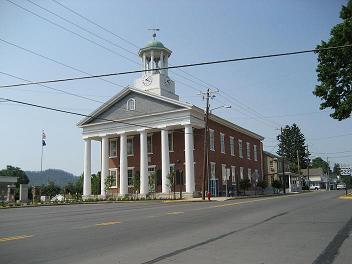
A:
[41,159]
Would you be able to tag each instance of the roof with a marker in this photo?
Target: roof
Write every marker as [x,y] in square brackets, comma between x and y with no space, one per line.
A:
[129,89]
[271,154]
[122,94]
[312,172]
[154,44]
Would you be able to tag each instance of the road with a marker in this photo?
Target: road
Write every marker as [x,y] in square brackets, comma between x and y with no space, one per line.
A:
[307,228]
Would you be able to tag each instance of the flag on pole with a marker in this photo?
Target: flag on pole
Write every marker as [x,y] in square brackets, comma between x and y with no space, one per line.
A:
[43,139]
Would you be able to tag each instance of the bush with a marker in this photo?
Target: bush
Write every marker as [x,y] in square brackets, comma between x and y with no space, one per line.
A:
[276,185]
[244,185]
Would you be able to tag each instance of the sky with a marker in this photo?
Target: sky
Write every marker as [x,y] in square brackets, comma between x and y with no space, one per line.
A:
[264,94]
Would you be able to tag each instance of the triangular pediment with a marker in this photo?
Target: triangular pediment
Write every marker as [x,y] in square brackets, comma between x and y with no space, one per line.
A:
[145,104]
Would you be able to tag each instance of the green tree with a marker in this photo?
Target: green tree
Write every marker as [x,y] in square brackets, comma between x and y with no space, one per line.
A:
[347,180]
[152,182]
[78,185]
[318,162]
[262,184]
[136,180]
[277,185]
[335,70]
[245,184]
[95,183]
[336,169]
[291,141]
[51,189]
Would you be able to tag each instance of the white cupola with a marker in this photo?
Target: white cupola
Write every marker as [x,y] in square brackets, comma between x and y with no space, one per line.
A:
[154,79]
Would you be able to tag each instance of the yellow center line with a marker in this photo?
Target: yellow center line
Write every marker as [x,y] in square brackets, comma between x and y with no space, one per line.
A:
[174,213]
[4,239]
[108,223]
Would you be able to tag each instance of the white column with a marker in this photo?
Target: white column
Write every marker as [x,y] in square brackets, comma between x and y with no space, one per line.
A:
[165,160]
[144,64]
[123,164]
[104,163]
[152,61]
[189,159]
[162,62]
[289,183]
[143,163]
[166,63]
[87,168]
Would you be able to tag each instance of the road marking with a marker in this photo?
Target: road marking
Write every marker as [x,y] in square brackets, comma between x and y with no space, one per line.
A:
[108,223]
[4,239]
[344,197]
[174,213]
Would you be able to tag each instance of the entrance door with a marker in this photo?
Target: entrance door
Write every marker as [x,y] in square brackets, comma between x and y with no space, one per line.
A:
[213,186]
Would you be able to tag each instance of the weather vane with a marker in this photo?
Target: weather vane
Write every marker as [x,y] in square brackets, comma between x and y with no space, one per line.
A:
[154,30]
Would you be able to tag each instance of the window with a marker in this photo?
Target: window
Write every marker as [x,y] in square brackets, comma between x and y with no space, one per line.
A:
[232,146]
[212,140]
[249,173]
[113,175]
[151,169]
[149,144]
[241,173]
[113,148]
[172,168]
[212,170]
[130,174]
[240,148]
[171,141]
[222,142]
[233,174]
[223,173]
[131,104]
[248,150]
[255,153]
[130,146]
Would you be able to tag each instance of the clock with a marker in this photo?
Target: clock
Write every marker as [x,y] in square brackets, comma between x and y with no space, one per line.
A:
[147,81]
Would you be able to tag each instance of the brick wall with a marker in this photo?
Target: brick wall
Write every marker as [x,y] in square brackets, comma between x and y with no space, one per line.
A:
[177,156]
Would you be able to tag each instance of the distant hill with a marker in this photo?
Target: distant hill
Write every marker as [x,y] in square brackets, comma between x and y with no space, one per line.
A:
[60,177]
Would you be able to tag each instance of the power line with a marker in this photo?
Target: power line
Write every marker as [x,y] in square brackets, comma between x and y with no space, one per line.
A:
[55,61]
[55,89]
[181,66]
[85,115]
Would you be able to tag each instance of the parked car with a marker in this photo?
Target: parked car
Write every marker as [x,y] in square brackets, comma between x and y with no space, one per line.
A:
[341,186]
[314,187]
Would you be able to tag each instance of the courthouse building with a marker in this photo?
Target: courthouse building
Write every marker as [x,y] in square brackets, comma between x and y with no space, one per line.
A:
[145,128]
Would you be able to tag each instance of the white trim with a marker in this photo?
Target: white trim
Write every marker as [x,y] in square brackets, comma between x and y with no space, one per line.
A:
[211,175]
[248,150]
[171,147]
[129,138]
[133,105]
[123,93]
[232,146]
[211,140]
[112,139]
[113,169]
[222,143]
[240,148]
[151,143]
[255,152]
[133,172]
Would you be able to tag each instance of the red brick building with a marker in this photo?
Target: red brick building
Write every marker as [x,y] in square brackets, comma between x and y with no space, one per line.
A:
[145,129]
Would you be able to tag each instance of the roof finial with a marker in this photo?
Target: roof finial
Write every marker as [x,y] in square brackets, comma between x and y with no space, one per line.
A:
[154,31]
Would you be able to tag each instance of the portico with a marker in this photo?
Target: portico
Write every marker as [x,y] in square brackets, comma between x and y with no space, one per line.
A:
[143,159]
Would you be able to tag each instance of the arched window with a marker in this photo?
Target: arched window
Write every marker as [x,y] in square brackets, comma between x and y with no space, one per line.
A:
[131,104]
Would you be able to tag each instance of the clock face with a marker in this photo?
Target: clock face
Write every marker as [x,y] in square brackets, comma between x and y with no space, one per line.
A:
[147,81]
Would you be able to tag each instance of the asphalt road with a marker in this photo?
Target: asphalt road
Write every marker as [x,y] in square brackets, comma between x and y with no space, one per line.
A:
[306,228]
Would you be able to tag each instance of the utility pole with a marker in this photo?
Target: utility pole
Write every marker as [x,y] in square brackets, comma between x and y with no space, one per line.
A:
[206,130]
[328,176]
[298,165]
[283,164]
[308,165]
[207,95]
